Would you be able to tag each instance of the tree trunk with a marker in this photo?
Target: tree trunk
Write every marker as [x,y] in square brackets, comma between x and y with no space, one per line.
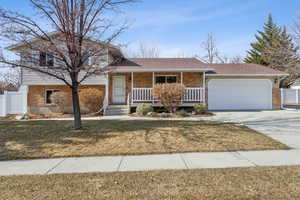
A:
[76,108]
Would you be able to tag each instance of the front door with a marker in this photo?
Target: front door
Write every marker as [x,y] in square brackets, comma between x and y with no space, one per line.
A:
[119,85]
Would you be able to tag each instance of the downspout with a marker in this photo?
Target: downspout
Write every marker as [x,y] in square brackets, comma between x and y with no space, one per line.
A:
[181,81]
[204,89]
[153,81]
[131,101]
[105,102]
[281,93]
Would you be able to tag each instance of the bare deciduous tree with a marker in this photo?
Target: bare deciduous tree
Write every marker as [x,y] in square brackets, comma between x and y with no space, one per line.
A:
[296,31]
[181,54]
[144,51]
[11,76]
[213,55]
[149,51]
[79,26]
[222,58]
[236,59]
[210,48]
[229,60]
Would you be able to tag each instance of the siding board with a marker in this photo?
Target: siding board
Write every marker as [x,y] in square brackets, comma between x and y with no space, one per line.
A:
[30,77]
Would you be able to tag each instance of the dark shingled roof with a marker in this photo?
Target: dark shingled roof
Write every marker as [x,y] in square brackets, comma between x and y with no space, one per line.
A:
[176,64]
[159,63]
[242,69]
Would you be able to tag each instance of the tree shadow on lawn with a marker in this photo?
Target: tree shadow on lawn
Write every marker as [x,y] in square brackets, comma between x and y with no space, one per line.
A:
[24,139]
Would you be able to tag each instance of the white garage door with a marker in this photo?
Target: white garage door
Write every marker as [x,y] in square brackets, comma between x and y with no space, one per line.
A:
[239,94]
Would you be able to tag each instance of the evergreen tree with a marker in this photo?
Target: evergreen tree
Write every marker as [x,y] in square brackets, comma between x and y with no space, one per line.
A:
[270,33]
[275,48]
[282,54]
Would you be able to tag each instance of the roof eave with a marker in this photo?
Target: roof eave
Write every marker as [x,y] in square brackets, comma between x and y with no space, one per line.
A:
[15,47]
[247,74]
[164,70]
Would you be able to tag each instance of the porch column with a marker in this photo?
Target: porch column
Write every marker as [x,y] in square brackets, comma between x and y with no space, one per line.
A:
[153,80]
[24,91]
[106,97]
[131,87]
[181,81]
[204,89]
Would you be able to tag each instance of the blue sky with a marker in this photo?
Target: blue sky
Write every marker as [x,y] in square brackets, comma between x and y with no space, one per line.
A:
[178,26]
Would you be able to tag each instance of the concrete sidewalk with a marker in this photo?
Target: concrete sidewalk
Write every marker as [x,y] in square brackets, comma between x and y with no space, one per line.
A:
[151,162]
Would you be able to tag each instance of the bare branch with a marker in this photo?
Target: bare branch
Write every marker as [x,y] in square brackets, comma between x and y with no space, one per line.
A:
[210,49]
[10,76]
[67,34]
[145,51]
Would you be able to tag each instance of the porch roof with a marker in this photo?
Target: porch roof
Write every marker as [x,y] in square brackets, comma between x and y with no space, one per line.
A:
[160,65]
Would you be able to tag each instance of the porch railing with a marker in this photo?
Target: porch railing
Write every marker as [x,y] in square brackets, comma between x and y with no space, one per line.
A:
[142,95]
[145,95]
[193,94]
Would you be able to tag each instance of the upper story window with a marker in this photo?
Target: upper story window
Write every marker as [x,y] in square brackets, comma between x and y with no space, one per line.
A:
[87,62]
[166,79]
[46,59]
[87,59]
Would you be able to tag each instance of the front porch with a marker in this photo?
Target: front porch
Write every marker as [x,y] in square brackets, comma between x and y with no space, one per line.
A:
[133,88]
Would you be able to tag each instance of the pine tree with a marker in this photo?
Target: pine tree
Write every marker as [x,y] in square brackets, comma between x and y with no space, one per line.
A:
[275,48]
[282,54]
[270,33]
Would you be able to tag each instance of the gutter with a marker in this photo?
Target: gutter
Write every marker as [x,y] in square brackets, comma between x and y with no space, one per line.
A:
[164,70]
[247,75]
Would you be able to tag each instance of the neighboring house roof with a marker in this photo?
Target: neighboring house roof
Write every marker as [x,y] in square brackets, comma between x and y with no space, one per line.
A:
[7,87]
[192,65]
[159,64]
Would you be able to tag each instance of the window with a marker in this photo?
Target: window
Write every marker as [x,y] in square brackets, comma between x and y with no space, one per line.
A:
[46,59]
[166,79]
[87,59]
[48,96]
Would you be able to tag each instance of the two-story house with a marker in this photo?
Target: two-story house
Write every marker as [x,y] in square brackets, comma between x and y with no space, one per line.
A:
[129,82]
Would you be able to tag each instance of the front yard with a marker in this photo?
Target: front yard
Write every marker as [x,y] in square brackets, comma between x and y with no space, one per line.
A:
[267,183]
[49,139]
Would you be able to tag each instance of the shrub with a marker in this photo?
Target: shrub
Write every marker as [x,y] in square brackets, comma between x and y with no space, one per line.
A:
[60,100]
[169,95]
[91,99]
[165,115]
[182,113]
[153,114]
[200,108]
[144,108]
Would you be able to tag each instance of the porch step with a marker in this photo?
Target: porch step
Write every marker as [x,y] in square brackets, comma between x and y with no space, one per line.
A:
[117,110]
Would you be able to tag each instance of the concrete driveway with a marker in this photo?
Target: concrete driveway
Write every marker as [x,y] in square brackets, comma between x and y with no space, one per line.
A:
[282,125]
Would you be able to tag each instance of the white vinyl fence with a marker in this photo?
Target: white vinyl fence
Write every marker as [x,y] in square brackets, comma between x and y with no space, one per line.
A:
[290,96]
[13,102]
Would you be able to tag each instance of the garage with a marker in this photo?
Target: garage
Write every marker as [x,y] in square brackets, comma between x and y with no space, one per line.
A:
[239,94]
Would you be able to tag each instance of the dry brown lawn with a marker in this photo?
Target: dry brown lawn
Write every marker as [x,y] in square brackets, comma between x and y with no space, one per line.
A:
[49,139]
[259,183]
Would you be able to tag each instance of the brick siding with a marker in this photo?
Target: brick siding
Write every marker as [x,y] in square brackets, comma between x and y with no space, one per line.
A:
[37,96]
